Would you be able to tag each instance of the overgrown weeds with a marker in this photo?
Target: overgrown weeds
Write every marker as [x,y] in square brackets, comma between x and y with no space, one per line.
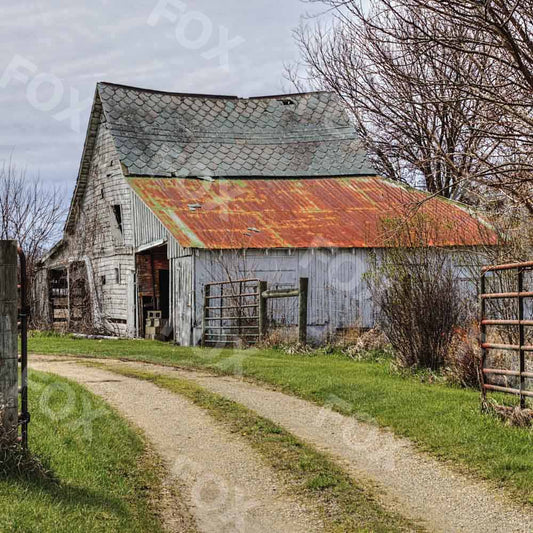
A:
[356,343]
[463,362]
[511,415]
[18,462]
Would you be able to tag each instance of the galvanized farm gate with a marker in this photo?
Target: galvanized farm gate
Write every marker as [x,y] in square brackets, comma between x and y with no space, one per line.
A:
[521,348]
[231,312]
[236,311]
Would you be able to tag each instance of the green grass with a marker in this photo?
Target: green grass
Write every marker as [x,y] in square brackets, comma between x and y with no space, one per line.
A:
[443,420]
[102,477]
[344,505]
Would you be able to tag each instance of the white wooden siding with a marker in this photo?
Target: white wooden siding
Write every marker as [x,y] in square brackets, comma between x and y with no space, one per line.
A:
[97,240]
[182,298]
[338,293]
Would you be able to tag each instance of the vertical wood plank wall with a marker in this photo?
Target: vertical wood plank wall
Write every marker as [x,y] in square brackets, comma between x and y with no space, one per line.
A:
[338,294]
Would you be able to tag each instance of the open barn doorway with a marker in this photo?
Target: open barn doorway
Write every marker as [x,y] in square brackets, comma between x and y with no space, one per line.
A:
[153,293]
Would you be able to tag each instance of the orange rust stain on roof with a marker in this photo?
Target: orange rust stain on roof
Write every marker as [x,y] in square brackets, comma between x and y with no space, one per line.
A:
[296,213]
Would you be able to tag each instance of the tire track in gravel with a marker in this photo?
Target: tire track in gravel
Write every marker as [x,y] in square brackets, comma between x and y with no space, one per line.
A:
[414,484]
[226,486]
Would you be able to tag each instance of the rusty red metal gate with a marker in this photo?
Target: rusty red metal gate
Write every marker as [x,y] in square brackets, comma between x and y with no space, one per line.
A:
[522,374]
[231,313]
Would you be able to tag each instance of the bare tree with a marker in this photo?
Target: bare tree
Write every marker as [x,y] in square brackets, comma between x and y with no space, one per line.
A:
[440,89]
[497,37]
[30,213]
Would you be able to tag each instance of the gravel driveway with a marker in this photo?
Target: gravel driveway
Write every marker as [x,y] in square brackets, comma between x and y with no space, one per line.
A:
[226,486]
[411,482]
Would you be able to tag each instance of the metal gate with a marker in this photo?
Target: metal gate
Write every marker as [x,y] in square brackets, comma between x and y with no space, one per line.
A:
[519,372]
[231,313]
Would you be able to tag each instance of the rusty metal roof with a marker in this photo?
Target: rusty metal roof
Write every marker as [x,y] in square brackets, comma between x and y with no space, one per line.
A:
[297,213]
[185,135]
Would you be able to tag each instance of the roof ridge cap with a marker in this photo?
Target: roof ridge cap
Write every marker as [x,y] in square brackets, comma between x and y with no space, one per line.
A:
[173,93]
[212,96]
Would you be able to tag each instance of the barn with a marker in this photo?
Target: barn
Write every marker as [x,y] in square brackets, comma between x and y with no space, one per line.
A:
[175,191]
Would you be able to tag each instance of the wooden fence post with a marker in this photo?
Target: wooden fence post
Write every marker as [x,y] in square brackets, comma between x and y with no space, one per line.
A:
[8,339]
[205,323]
[263,286]
[302,317]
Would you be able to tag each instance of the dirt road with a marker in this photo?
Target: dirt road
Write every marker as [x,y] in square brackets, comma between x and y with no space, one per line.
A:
[226,485]
[413,483]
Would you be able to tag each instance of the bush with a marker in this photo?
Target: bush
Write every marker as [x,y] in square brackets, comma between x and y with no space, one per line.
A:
[280,337]
[464,358]
[417,291]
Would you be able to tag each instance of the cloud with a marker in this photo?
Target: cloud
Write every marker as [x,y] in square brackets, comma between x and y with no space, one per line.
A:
[79,43]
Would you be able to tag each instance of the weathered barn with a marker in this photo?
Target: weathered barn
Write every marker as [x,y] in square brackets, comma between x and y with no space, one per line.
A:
[177,190]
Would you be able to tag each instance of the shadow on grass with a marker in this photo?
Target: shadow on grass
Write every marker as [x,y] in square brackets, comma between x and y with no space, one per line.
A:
[74,497]
[19,463]
[20,468]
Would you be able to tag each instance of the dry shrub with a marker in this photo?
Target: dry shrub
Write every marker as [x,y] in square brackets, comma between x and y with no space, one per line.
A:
[344,337]
[299,349]
[417,291]
[286,339]
[464,358]
[358,343]
[355,342]
[368,344]
[512,416]
[280,337]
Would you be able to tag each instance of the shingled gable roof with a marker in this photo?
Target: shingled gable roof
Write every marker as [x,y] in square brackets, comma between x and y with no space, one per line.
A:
[307,184]
[168,134]
[162,134]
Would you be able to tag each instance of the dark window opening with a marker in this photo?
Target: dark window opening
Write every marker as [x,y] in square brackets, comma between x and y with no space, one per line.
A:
[117,210]
[102,280]
[117,275]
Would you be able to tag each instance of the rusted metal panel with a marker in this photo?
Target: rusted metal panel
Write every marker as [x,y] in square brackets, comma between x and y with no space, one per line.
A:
[298,213]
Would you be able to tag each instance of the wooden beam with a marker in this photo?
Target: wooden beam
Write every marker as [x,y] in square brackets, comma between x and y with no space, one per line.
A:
[263,288]
[281,293]
[8,339]
[302,316]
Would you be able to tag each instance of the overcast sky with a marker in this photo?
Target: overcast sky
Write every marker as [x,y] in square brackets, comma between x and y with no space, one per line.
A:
[54,52]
